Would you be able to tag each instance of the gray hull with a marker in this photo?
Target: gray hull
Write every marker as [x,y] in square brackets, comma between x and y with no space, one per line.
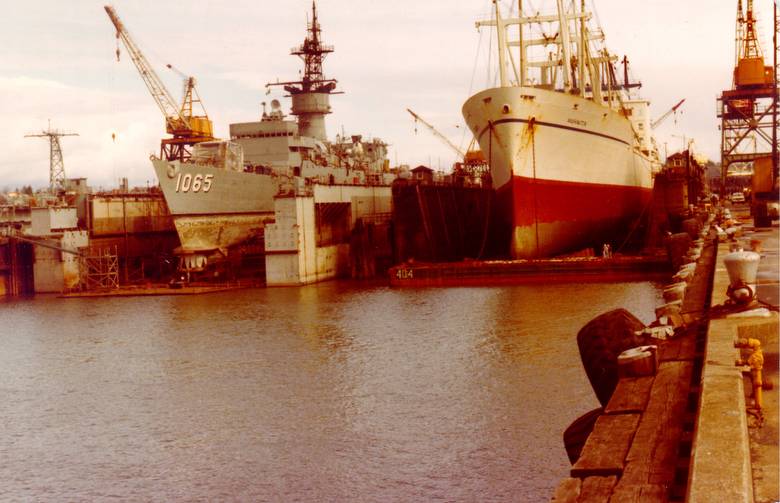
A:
[215,208]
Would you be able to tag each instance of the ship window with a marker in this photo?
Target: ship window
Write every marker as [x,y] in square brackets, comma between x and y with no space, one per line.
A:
[505,109]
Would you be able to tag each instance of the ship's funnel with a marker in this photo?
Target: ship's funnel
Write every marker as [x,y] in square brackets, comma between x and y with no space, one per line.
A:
[742,267]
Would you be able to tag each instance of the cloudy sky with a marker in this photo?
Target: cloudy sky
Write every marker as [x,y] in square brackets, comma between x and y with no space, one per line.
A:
[59,63]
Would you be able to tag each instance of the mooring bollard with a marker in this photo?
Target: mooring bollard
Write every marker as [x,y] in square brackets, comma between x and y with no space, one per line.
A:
[638,362]
[742,267]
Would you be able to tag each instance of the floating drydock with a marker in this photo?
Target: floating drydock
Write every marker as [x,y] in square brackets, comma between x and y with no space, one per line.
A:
[501,272]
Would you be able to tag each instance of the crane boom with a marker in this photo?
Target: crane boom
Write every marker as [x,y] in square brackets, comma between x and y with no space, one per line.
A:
[437,133]
[666,114]
[187,129]
[174,120]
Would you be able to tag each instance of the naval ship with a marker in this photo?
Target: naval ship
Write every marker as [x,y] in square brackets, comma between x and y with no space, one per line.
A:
[569,146]
[224,193]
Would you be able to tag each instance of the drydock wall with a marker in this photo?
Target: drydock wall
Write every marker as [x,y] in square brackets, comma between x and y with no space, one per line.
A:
[309,240]
[55,271]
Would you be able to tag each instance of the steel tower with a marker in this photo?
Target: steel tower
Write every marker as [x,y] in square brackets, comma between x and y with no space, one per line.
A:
[56,164]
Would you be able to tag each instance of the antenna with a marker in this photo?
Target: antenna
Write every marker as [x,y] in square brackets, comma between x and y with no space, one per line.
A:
[56,164]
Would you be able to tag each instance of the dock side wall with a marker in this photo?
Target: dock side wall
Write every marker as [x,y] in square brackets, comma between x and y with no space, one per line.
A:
[309,239]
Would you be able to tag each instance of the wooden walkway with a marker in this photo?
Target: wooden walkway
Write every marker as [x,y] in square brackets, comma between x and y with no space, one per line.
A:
[640,448]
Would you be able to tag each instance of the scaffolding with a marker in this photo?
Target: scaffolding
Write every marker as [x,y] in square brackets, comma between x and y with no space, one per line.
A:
[99,269]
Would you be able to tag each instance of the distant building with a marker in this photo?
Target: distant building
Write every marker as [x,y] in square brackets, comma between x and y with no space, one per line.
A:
[684,164]
[422,174]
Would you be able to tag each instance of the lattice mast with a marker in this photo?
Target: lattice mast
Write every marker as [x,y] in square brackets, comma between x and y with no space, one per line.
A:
[311,95]
[750,47]
[56,163]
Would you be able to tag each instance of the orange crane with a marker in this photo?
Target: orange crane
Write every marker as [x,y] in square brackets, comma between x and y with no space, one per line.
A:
[749,114]
[749,70]
[187,129]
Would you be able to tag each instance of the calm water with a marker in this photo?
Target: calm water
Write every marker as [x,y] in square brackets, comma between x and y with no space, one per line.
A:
[332,392]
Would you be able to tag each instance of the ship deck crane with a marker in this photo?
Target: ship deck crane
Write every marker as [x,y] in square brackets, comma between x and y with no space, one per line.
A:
[187,129]
[471,161]
[666,114]
[437,133]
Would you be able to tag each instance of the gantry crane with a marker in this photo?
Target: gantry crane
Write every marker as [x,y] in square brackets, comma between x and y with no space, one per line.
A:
[56,164]
[187,129]
[666,114]
[749,112]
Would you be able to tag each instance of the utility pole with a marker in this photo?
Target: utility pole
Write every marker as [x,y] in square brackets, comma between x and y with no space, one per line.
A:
[56,164]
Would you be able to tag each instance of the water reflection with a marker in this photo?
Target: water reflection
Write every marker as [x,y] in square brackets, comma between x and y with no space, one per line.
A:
[333,392]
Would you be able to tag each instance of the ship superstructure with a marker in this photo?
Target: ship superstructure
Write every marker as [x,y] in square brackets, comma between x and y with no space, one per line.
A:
[569,145]
[225,194]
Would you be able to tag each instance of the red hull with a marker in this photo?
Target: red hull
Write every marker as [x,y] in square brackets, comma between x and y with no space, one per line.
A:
[552,217]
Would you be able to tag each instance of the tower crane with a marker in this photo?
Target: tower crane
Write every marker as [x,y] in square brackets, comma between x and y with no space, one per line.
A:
[187,129]
[666,114]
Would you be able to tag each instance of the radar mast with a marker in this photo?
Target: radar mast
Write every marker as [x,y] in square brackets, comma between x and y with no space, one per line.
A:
[311,95]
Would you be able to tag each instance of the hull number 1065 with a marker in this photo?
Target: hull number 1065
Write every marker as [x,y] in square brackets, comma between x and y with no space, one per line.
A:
[197,183]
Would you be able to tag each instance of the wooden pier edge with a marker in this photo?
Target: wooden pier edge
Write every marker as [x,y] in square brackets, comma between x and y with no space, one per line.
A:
[643,439]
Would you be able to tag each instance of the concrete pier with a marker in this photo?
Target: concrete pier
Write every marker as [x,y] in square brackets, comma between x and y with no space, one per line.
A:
[692,432]
[735,456]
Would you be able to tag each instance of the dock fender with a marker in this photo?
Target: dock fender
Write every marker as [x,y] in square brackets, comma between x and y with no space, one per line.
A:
[577,433]
[677,245]
[600,342]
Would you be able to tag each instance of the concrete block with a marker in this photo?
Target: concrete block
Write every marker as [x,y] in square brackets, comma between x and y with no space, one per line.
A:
[720,468]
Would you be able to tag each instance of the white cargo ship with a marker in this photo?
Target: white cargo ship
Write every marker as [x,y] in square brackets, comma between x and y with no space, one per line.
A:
[569,146]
